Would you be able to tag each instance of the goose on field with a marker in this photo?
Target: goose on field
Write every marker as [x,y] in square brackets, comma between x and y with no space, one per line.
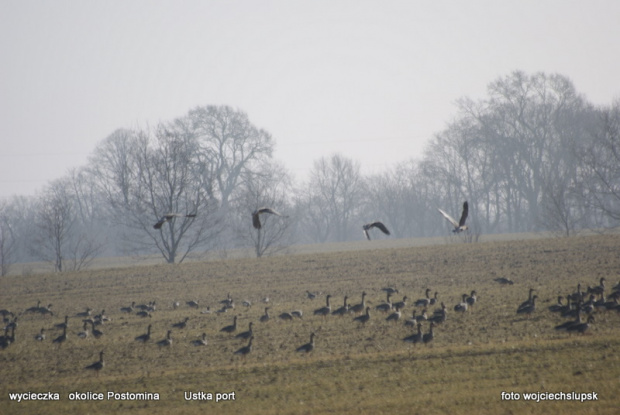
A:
[414,320]
[386,306]
[85,313]
[439,316]
[503,281]
[181,324]
[146,336]
[428,337]
[46,310]
[324,311]
[231,328]
[473,297]
[201,341]
[311,295]
[416,337]
[395,316]
[265,317]
[581,327]
[63,325]
[364,317]
[167,341]
[192,304]
[424,302]
[128,309]
[245,334]
[529,308]
[599,289]
[556,308]
[41,336]
[577,295]
[308,347]
[7,340]
[359,308]
[341,311]
[62,338]
[96,333]
[462,306]
[401,304]
[98,365]
[529,299]
[286,316]
[35,309]
[84,333]
[245,350]
[564,326]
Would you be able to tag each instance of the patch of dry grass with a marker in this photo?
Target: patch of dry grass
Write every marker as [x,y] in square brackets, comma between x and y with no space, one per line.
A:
[473,358]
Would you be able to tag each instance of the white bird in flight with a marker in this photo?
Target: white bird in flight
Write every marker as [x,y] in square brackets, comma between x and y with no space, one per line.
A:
[460,225]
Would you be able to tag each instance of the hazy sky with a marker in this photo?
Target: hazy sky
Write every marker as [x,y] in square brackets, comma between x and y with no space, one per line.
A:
[374,80]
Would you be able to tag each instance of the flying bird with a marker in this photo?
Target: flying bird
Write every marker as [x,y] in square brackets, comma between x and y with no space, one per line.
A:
[256,216]
[377,225]
[460,225]
[170,216]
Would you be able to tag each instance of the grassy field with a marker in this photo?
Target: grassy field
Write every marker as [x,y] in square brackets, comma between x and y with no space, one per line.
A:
[474,357]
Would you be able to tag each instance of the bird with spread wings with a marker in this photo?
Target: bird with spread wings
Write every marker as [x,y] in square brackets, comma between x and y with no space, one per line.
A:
[256,216]
[377,225]
[171,216]
[460,225]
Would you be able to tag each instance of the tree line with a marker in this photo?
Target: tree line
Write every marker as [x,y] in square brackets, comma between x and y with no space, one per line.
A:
[533,155]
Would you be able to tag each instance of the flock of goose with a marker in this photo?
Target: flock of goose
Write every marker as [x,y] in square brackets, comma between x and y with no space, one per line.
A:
[580,308]
[255,217]
[256,222]
[580,305]
[92,323]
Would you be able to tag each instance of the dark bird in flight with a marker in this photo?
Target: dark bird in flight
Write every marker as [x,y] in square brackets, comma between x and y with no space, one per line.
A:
[170,216]
[256,216]
[460,225]
[377,225]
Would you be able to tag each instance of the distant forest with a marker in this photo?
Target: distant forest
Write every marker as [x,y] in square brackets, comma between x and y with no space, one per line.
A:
[534,155]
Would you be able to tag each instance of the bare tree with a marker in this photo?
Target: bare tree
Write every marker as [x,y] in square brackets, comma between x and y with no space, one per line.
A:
[113,167]
[533,116]
[8,243]
[313,217]
[270,186]
[62,238]
[229,144]
[397,198]
[55,221]
[599,161]
[145,176]
[503,153]
[334,193]
[561,210]
[456,164]
[20,212]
